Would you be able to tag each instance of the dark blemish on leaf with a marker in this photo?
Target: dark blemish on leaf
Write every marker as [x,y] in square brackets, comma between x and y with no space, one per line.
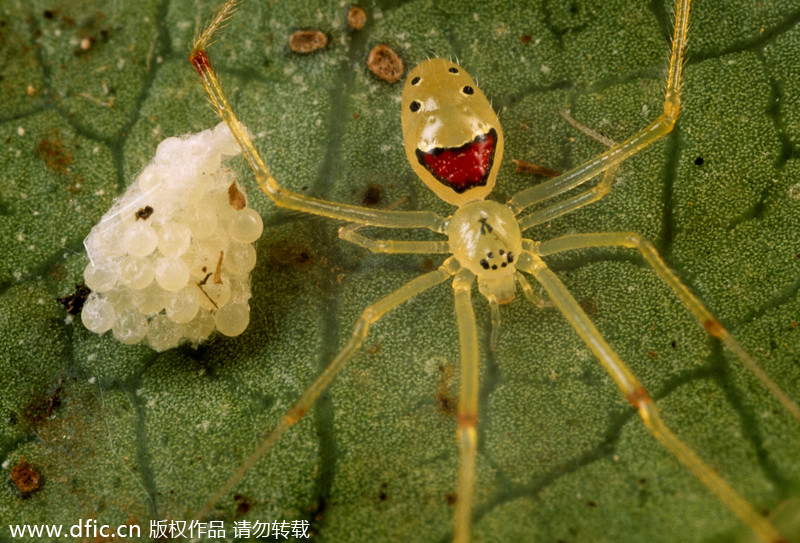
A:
[307,41]
[588,306]
[236,197]
[73,303]
[143,213]
[522,166]
[385,63]
[590,503]
[450,498]
[382,493]
[651,354]
[356,18]
[47,14]
[526,38]
[51,150]
[673,344]
[25,477]
[699,161]
[446,402]
[40,408]
[243,504]
[427,264]
[287,255]
[372,195]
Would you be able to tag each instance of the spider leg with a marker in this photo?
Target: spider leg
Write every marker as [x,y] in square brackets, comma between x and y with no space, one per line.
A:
[638,397]
[701,313]
[369,316]
[527,290]
[281,196]
[391,246]
[585,198]
[614,156]
[570,204]
[467,404]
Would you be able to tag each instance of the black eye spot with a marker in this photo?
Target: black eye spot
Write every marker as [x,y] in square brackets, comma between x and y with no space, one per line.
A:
[468,90]
[415,80]
[453,70]
[414,106]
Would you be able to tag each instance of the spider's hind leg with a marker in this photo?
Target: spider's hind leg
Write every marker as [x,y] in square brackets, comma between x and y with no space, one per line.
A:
[638,397]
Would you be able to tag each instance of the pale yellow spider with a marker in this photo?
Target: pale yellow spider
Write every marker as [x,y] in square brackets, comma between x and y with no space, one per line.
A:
[454,143]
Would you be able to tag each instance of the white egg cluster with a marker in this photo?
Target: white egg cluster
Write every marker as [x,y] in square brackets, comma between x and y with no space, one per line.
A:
[171,260]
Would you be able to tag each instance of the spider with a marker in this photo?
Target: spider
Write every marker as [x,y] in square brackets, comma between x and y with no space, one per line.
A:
[454,143]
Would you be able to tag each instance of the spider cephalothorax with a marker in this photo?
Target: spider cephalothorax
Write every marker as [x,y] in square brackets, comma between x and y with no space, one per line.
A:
[484,237]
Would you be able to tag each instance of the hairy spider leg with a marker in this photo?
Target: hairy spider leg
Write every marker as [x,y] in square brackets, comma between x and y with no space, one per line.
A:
[281,196]
[636,394]
[369,316]
[614,156]
[632,240]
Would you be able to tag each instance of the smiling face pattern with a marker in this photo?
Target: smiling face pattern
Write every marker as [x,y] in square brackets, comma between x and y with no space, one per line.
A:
[451,134]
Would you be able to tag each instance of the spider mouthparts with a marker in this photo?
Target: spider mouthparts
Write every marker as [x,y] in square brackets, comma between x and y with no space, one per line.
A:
[465,167]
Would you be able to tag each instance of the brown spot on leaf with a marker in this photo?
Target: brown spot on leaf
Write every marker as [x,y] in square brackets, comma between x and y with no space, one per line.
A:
[51,150]
[307,41]
[40,408]
[372,195]
[522,166]
[588,306]
[356,18]
[243,504]
[385,63]
[445,402]
[25,477]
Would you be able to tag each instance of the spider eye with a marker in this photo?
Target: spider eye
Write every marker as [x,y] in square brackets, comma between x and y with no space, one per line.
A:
[453,70]
[468,90]
[415,80]
[414,106]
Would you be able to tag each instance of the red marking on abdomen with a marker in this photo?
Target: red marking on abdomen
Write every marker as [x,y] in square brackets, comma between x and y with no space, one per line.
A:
[462,168]
[200,61]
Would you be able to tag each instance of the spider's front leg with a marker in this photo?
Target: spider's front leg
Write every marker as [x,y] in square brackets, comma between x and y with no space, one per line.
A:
[281,196]
[617,154]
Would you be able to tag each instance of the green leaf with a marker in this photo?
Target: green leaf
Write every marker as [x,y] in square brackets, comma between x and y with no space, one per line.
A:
[121,434]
